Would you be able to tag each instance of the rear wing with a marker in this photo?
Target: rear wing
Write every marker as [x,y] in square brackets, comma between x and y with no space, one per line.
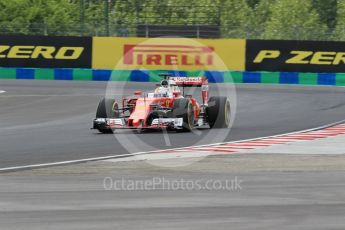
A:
[190,81]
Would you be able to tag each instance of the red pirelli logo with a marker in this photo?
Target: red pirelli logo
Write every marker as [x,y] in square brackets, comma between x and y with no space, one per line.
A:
[168,55]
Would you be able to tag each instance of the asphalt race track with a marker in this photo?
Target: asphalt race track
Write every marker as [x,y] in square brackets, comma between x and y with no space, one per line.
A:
[49,121]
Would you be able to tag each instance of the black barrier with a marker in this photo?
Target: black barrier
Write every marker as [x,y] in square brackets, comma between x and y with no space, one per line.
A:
[45,51]
[295,56]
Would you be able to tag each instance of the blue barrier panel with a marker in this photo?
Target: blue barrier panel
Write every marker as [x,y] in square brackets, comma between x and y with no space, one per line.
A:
[63,74]
[141,76]
[288,78]
[101,75]
[177,73]
[25,74]
[251,77]
[326,79]
[214,76]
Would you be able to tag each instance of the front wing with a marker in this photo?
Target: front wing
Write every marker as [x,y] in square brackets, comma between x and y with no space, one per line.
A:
[120,123]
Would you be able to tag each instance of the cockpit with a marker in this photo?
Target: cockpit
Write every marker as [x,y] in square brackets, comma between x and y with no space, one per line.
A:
[167,88]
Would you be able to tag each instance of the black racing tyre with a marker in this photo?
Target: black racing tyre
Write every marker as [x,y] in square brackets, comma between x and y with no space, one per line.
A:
[153,115]
[107,109]
[183,108]
[218,112]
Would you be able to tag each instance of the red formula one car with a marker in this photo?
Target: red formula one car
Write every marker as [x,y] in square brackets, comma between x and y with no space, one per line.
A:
[165,108]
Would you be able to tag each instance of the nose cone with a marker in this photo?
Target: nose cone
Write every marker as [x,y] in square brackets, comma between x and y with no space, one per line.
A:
[140,113]
[136,122]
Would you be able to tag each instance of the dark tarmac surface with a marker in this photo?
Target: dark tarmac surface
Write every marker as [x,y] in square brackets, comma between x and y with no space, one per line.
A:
[284,192]
[49,121]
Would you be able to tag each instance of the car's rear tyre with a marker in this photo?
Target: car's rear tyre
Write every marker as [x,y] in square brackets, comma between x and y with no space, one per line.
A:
[218,112]
[183,108]
[107,108]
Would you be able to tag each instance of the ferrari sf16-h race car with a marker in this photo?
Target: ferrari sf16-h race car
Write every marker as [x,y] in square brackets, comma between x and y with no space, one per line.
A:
[166,108]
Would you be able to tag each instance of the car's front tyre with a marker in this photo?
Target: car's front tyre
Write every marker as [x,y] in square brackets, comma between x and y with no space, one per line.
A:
[107,108]
[183,108]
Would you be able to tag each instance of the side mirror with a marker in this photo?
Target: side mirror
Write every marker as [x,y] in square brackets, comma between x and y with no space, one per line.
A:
[138,93]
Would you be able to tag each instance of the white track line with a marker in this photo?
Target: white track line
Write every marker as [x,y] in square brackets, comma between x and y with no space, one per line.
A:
[60,163]
[2,91]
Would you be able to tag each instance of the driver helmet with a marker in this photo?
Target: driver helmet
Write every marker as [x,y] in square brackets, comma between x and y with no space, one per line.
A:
[165,83]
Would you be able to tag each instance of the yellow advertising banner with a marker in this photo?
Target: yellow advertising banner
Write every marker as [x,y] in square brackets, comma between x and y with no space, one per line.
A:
[168,54]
